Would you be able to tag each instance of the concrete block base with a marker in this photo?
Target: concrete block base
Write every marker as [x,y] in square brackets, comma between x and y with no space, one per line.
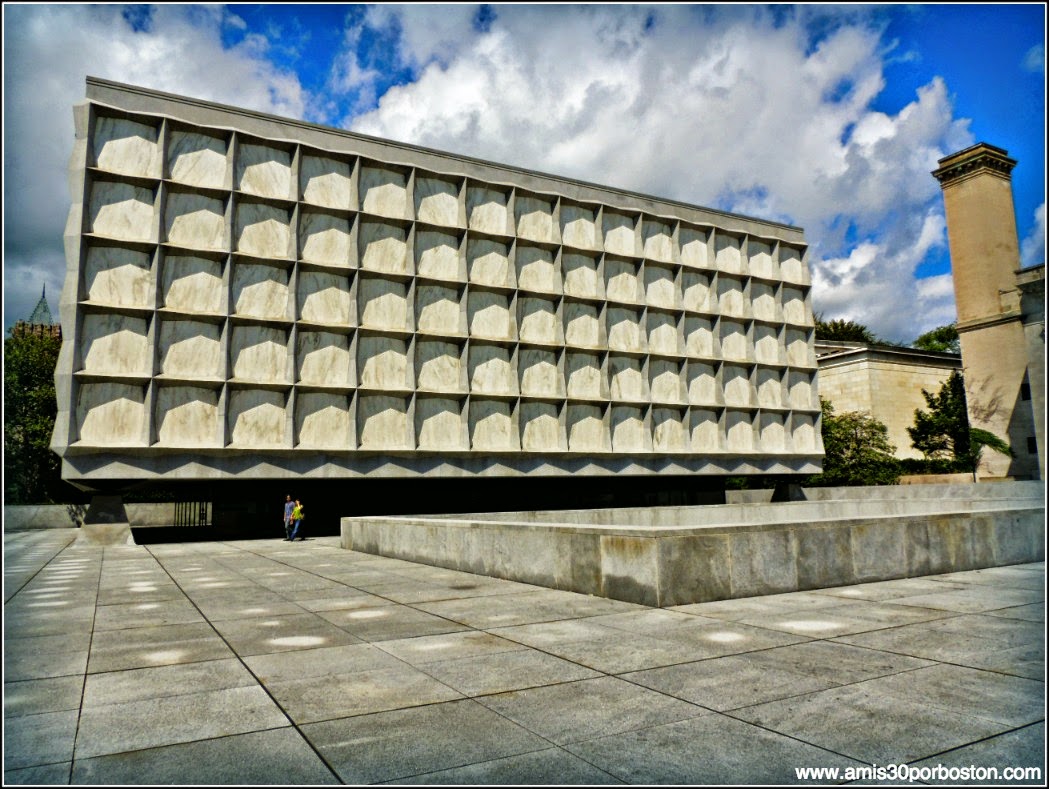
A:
[106,523]
[665,556]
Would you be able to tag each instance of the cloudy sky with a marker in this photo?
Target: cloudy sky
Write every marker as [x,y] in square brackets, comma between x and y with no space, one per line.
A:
[827,117]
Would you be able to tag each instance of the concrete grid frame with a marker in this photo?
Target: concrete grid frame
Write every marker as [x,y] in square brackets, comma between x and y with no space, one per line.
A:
[254,296]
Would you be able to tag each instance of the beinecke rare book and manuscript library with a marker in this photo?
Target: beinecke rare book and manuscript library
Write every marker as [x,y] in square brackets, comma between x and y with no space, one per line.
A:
[248,295]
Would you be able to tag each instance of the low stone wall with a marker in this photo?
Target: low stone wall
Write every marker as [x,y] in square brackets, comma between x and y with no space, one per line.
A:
[71,516]
[678,555]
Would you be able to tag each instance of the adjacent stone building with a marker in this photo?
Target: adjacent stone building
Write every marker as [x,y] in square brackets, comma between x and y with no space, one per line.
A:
[1000,309]
[254,297]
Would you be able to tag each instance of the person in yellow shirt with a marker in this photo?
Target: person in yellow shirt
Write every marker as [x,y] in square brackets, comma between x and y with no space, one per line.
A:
[296,519]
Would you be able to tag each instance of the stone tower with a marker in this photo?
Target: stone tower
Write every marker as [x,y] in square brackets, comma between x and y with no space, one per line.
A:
[985,257]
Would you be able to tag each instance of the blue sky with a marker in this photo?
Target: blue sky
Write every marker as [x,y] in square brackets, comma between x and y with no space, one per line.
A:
[828,117]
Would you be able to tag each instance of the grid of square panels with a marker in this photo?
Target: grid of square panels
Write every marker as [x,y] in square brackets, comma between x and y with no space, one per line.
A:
[250,293]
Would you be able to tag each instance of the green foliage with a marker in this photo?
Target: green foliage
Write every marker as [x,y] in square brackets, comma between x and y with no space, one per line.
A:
[943,432]
[942,338]
[857,450]
[32,472]
[842,330]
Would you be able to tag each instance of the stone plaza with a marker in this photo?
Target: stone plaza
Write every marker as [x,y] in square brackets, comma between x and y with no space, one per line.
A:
[261,661]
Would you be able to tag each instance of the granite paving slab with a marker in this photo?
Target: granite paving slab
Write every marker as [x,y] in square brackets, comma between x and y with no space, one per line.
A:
[139,684]
[574,711]
[37,696]
[115,650]
[388,746]
[974,599]
[146,614]
[553,766]
[264,634]
[504,671]
[276,756]
[789,602]
[32,740]
[447,646]
[319,663]
[1033,612]
[43,775]
[711,749]
[390,622]
[1023,748]
[837,620]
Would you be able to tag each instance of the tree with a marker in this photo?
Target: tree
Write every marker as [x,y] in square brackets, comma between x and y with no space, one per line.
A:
[857,450]
[943,339]
[842,330]
[32,471]
[943,432]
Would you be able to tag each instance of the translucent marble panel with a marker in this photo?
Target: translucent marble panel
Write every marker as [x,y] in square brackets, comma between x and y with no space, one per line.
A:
[536,270]
[127,147]
[191,349]
[705,431]
[766,344]
[121,211]
[539,321]
[539,374]
[436,201]
[728,257]
[657,240]
[323,421]
[257,418]
[731,298]
[541,429]
[437,255]
[624,330]
[197,159]
[803,433]
[188,417]
[383,422]
[702,382]
[326,182]
[621,281]
[195,221]
[667,385]
[582,325]
[438,310]
[619,235]
[693,247]
[491,426]
[587,430]
[668,431]
[699,337]
[264,171]
[111,414]
[384,248]
[759,259]
[582,277]
[488,262]
[263,231]
[324,359]
[261,291]
[486,210]
[696,289]
[739,431]
[192,284]
[800,390]
[627,378]
[799,352]
[790,266]
[326,239]
[770,390]
[662,333]
[535,218]
[384,192]
[629,433]
[661,288]
[325,298]
[578,226]
[259,353]
[439,424]
[489,315]
[439,366]
[734,343]
[585,378]
[118,277]
[383,304]
[771,433]
[491,370]
[116,345]
[794,306]
[383,363]
[763,301]
[735,382]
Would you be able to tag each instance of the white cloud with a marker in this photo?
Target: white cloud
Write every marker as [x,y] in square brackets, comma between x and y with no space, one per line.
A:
[714,106]
[1034,60]
[48,51]
[1032,248]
